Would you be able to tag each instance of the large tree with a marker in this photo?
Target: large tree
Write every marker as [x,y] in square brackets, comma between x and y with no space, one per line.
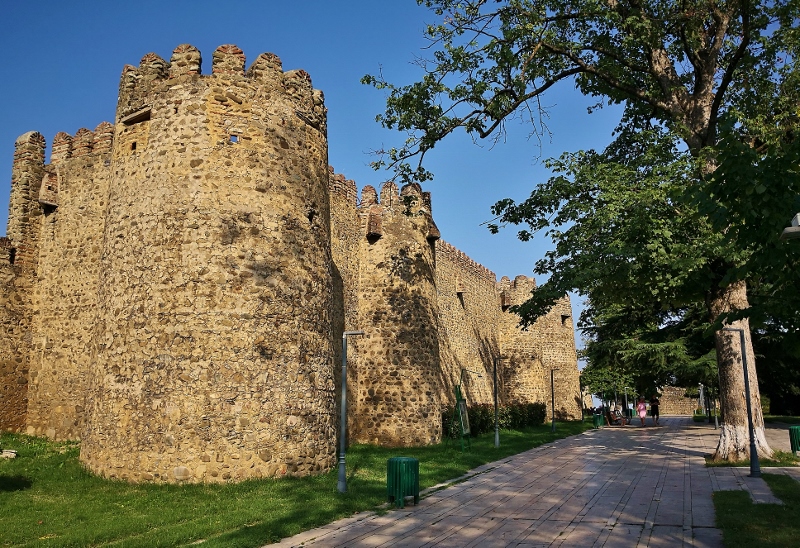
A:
[677,64]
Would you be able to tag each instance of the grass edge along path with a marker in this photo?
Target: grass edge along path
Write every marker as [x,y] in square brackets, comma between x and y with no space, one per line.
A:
[745,524]
[48,499]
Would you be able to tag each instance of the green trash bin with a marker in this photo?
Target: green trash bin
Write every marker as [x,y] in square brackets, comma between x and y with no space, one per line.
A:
[402,480]
[597,420]
[794,438]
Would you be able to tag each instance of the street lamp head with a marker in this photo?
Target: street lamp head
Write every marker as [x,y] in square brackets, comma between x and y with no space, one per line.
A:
[792,231]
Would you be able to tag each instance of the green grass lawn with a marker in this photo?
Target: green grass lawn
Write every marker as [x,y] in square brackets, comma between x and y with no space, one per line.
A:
[785,419]
[745,524]
[779,458]
[48,499]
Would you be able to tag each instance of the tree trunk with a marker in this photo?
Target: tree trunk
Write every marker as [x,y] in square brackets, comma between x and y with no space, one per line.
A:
[734,439]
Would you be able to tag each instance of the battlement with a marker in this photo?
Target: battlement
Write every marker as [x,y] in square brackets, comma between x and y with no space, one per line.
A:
[464,262]
[84,142]
[340,185]
[29,148]
[515,292]
[411,201]
[154,74]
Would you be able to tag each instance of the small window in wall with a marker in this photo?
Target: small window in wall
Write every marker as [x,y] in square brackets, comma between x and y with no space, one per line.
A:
[564,319]
[133,145]
[12,255]
[142,115]
[234,138]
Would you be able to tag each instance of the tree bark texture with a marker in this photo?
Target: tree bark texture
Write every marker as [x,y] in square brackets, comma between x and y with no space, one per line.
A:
[734,439]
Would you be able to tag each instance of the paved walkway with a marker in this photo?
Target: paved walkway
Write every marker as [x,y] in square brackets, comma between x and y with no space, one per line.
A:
[612,487]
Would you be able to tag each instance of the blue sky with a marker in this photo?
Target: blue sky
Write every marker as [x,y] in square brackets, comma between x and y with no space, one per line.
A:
[63,60]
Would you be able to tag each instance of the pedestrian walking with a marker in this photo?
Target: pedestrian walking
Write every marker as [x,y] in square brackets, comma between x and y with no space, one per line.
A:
[641,408]
[654,403]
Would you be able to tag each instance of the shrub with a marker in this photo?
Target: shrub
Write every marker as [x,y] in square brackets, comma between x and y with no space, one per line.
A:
[481,417]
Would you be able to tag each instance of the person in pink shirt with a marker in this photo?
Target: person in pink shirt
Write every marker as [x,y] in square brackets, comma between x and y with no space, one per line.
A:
[641,408]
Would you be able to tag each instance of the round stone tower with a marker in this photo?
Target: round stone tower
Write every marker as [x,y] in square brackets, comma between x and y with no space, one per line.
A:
[214,343]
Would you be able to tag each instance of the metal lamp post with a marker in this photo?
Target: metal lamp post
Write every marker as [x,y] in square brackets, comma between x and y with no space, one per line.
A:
[496,419]
[755,468]
[553,399]
[341,485]
[626,405]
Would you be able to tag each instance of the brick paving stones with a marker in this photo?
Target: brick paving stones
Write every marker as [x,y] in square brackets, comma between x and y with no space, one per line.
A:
[620,486]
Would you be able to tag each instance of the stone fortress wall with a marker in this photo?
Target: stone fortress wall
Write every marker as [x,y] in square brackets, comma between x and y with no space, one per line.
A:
[673,401]
[176,285]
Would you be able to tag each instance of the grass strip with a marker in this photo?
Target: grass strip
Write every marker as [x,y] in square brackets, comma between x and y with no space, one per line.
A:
[47,498]
[781,419]
[745,524]
[779,459]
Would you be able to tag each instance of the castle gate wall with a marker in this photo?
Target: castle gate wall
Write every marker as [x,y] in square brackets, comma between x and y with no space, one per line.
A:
[214,341]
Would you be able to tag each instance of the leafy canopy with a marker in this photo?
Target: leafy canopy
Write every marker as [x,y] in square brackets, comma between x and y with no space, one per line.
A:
[674,61]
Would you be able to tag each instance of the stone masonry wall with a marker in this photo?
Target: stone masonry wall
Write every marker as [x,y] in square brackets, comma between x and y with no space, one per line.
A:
[469,310]
[214,340]
[19,292]
[523,374]
[175,287]
[399,379]
[530,354]
[73,197]
[346,238]
[13,365]
[674,402]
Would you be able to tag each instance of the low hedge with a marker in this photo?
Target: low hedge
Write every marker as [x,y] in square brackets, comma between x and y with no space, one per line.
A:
[481,417]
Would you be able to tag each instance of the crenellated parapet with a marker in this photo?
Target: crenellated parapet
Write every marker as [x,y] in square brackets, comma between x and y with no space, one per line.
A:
[82,143]
[515,292]
[410,203]
[66,148]
[61,149]
[228,60]
[464,262]
[339,185]
[140,87]
[266,68]
[103,138]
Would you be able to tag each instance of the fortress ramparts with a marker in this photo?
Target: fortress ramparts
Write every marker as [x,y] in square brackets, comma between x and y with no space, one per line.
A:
[175,286]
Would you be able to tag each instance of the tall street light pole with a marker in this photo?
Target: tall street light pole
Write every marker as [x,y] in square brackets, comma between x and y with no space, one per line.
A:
[341,485]
[755,468]
[553,399]
[496,420]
